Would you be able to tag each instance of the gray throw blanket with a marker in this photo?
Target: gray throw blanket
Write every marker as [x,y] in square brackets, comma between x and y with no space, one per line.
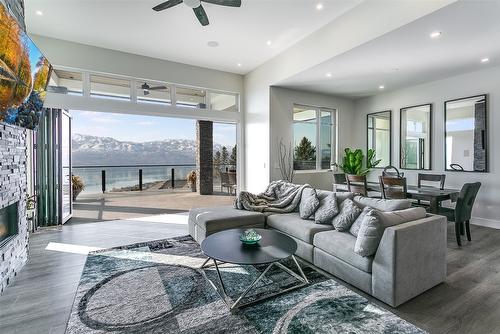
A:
[279,196]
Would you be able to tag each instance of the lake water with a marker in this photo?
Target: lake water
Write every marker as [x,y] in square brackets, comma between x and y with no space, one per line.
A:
[119,177]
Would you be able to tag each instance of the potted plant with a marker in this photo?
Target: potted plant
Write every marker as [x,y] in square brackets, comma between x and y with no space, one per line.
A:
[191,180]
[77,185]
[352,162]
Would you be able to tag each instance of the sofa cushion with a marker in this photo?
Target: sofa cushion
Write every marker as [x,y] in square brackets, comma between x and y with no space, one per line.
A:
[382,204]
[348,214]
[341,245]
[374,224]
[292,224]
[326,210]
[224,217]
[354,230]
[309,202]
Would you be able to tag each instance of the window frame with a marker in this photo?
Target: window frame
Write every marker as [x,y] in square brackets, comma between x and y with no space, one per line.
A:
[333,136]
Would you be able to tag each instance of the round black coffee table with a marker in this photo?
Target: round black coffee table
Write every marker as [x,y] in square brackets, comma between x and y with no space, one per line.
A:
[226,247]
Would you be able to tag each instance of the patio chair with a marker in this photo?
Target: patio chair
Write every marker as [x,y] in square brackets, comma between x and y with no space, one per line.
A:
[224,182]
[232,182]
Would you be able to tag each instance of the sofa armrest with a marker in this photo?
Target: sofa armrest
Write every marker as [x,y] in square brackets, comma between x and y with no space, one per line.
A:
[411,259]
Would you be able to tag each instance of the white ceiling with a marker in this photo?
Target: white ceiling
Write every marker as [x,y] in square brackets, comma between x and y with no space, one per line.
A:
[175,34]
[408,56]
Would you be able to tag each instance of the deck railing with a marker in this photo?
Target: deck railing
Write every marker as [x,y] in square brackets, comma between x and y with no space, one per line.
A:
[100,178]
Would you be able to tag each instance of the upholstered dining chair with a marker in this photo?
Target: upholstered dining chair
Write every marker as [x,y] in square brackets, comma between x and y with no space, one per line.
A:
[462,212]
[393,187]
[357,184]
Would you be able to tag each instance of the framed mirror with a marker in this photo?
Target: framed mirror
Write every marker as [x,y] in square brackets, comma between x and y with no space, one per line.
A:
[379,136]
[415,137]
[466,137]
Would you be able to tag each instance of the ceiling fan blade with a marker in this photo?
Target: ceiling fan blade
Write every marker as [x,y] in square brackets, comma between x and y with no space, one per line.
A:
[157,88]
[201,15]
[229,3]
[167,4]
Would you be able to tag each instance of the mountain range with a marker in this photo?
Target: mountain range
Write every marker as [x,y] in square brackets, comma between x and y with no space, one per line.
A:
[93,150]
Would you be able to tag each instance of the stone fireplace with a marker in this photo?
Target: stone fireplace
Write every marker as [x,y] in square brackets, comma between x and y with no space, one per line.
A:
[13,222]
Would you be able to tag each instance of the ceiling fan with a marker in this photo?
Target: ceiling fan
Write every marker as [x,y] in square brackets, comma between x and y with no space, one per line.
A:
[197,7]
[147,88]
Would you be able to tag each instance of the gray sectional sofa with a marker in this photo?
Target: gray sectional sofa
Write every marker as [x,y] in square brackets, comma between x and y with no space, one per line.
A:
[410,259]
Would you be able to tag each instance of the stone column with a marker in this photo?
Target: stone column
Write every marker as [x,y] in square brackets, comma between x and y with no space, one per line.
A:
[204,157]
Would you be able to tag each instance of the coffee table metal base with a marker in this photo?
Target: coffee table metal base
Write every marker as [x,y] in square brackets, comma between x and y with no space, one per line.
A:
[238,303]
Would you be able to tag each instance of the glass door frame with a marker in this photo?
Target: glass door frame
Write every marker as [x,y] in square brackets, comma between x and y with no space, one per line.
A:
[61,115]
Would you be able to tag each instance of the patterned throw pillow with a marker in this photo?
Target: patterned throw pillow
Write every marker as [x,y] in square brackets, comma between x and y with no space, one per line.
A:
[348,214]
[327,209]
[309,202]
[357,223]
[369,235]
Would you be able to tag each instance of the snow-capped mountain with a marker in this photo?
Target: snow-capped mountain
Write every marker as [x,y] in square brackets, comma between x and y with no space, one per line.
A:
[92,150]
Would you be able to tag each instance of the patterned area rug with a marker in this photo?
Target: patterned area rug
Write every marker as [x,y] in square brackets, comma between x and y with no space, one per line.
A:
[156,287]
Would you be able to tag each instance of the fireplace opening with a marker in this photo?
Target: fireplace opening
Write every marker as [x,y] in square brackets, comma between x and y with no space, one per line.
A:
[8,223]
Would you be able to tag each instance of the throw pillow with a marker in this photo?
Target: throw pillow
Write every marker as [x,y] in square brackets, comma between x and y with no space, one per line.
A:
[327,209]
[309,202]
[357,223]
[374,224]
[369,235]
[348,214]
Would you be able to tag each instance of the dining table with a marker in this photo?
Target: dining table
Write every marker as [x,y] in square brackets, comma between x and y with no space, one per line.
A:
[433,195]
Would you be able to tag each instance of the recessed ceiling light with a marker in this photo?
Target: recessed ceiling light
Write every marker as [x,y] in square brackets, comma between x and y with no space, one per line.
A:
[436,34]
[213,44]
[485,60]
[319,6]
[239,65]
[328,75]
[269,42]
[381,87]
[39,12]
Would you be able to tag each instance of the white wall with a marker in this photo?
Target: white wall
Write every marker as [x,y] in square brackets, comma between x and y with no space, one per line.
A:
[484,81]
[281,125]
[347,33]
[91,58]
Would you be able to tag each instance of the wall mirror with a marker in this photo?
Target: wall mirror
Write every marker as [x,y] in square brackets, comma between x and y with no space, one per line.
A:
[416,134]
[379,136]
[466,134]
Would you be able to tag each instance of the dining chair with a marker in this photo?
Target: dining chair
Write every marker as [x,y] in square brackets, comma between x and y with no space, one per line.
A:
[339,179]
[462,212]
[357,184]
[392,171]
[431,178]
[393,187]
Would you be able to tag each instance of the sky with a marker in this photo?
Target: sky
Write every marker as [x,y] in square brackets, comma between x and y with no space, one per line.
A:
[144,128]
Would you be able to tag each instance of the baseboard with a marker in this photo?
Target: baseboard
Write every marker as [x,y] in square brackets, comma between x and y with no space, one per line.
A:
[485,222]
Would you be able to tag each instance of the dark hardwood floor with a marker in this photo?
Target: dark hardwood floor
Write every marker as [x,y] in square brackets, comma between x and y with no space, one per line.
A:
[40,298]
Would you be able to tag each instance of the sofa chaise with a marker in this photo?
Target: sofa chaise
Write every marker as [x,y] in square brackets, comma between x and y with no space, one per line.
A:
[410,259]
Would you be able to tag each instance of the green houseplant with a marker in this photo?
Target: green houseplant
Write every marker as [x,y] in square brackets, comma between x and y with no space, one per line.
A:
[353,160]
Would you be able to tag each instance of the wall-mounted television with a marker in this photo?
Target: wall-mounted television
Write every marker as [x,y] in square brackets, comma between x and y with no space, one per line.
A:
[24,74]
